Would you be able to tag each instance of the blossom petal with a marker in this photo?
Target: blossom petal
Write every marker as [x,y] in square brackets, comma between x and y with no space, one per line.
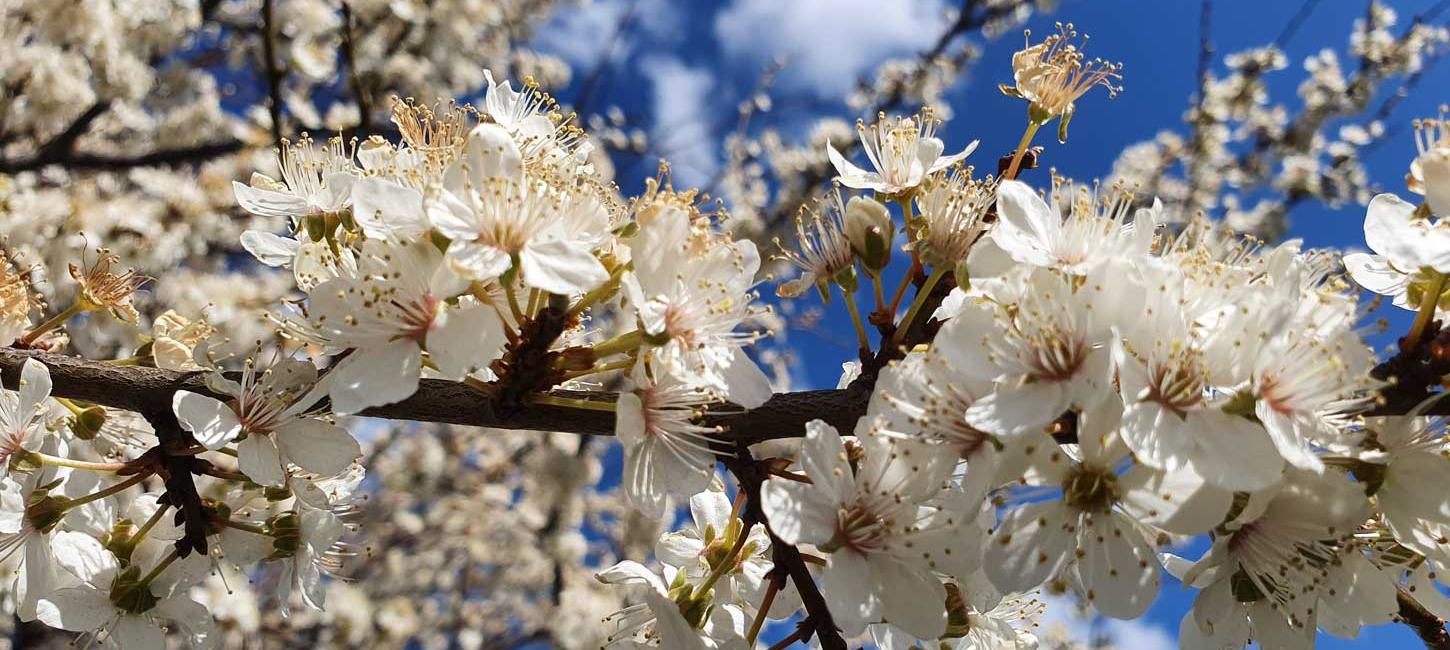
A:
[745,383]
[376,376]
[1017,410]
[798,512]
[259,458]
[846,582]
[851,175]
[468,339]
[268,203]
[1235,454]
[911,598]
[318,446]
[1026,224]
[76,609]
[136,632]
[84,557]
[1030,545]
[492,153]
[1117,567]
[270,248]
[1178,501]
[561,267]
[211,422]
[387,210]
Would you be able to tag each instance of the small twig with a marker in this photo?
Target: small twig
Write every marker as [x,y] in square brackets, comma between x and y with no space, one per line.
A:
[273,72]
[1429,627]
[349,58]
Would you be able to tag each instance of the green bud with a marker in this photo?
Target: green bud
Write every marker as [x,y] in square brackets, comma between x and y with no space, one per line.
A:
[87,425]
[130,594]
[24,460]
[286,531]
[1241,404]
[870,230]
[316,226]
[45,511]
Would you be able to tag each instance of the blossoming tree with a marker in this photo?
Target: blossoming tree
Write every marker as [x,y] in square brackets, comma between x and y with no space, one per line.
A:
[1057,386]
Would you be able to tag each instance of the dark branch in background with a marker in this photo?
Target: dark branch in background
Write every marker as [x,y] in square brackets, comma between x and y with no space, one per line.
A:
[360,94]
[65,142]
[1194,170]
[601,67]
[1292,27]
[94,162]
[273,72]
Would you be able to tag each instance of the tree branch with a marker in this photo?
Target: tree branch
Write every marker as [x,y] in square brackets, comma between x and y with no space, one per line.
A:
[92,162]
[273,72]
[1428,626]
[141,389]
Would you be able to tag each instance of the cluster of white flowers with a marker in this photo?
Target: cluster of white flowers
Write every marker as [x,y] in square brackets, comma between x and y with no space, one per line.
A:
[1252,157]
[1102,386]
[1076,385]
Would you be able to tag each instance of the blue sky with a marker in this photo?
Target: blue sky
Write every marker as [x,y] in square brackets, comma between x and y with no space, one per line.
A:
[681,68]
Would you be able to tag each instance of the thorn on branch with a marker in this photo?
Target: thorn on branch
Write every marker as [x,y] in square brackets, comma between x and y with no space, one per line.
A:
[1029,161]
[177,464]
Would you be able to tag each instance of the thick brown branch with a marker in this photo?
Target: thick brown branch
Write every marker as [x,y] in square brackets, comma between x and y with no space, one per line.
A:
[140,389]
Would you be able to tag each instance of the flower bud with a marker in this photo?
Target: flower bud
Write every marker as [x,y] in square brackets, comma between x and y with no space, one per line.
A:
[1434,172]
[87,424]
[870,230]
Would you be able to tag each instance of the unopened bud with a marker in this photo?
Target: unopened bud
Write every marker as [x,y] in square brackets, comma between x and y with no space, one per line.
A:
[87,424]
[870,230]
[1434,171]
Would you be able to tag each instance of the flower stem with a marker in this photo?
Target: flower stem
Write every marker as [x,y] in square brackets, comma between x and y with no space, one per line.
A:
[569,402]
[251,528]
[150,523]
[1428,305]
[900,293]
[1022,145]
[513,298]
[53,322]
[797,635]
[921,295]
[114,489]
[726,564]
[850,299]
[69,405]
[620,364]
[621,344]
[59,461]
[760,613]
[876,288]
[161,566]
[599,293]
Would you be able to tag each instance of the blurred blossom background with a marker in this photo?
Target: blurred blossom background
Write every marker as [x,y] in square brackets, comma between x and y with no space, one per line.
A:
[123,123]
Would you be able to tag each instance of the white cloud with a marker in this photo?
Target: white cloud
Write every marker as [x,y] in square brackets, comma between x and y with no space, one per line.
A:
[680,104]
[829,44]
[1139,634]
[581,33]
